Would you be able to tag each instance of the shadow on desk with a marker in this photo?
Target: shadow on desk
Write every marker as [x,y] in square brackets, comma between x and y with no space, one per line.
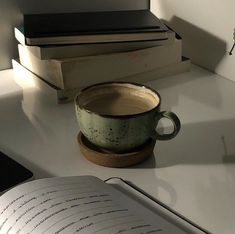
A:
[202,47]
[17,131]
[199,143]
[199,85]
[148,163]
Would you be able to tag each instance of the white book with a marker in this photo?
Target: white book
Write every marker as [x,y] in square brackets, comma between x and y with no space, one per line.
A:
[76,50]
[77,72]
[80,204]
[26,78]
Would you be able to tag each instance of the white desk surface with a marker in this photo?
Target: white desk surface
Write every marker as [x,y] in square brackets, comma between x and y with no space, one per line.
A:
[194,173]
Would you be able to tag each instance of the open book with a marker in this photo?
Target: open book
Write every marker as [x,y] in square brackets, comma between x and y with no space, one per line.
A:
[81,204]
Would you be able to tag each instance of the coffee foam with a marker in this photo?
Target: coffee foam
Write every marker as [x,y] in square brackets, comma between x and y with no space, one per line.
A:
[118,99]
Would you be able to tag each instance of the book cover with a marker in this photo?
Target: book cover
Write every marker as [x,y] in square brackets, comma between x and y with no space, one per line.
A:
[75,50]
[91,27]
[12,173]
[83,71]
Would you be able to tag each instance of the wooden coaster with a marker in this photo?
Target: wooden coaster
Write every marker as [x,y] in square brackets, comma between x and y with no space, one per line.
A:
[109,159]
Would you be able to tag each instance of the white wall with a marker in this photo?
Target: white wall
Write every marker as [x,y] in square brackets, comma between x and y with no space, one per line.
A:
[11,12]
[207,30]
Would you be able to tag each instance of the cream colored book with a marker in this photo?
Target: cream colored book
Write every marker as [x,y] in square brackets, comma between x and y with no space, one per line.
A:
[26,78]
[69,51]
[83,71]
[170,70]
[81,204]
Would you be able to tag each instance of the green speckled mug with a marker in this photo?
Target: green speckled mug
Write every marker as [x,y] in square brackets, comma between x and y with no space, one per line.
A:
[121,116]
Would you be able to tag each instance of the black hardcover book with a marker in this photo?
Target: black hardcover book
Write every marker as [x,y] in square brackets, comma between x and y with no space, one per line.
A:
[12,173]
[93,27]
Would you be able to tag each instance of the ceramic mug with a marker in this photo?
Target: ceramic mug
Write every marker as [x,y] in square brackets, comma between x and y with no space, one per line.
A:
[121,116]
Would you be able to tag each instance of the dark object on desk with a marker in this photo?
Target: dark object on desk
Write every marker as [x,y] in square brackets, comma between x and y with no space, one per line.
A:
[93,27]
[230,53]
[12,173]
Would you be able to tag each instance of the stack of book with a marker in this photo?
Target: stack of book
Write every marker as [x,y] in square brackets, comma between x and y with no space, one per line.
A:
[73,50]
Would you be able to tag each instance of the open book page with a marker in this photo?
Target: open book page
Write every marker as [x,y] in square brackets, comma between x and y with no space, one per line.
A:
[83,204]
[155,205]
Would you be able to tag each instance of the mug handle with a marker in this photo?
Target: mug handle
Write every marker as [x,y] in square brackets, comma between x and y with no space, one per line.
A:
[176,123]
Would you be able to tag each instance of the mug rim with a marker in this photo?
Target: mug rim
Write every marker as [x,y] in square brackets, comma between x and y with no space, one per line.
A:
[118,116]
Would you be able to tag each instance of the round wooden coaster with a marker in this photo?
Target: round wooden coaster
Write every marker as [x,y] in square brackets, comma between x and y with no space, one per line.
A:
[110,159]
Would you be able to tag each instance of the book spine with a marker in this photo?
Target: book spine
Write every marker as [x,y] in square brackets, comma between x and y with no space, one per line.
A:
[47,69]
[169,70]
[80,72]
[69,51]
[76,50]
[95,69]
[67,95]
